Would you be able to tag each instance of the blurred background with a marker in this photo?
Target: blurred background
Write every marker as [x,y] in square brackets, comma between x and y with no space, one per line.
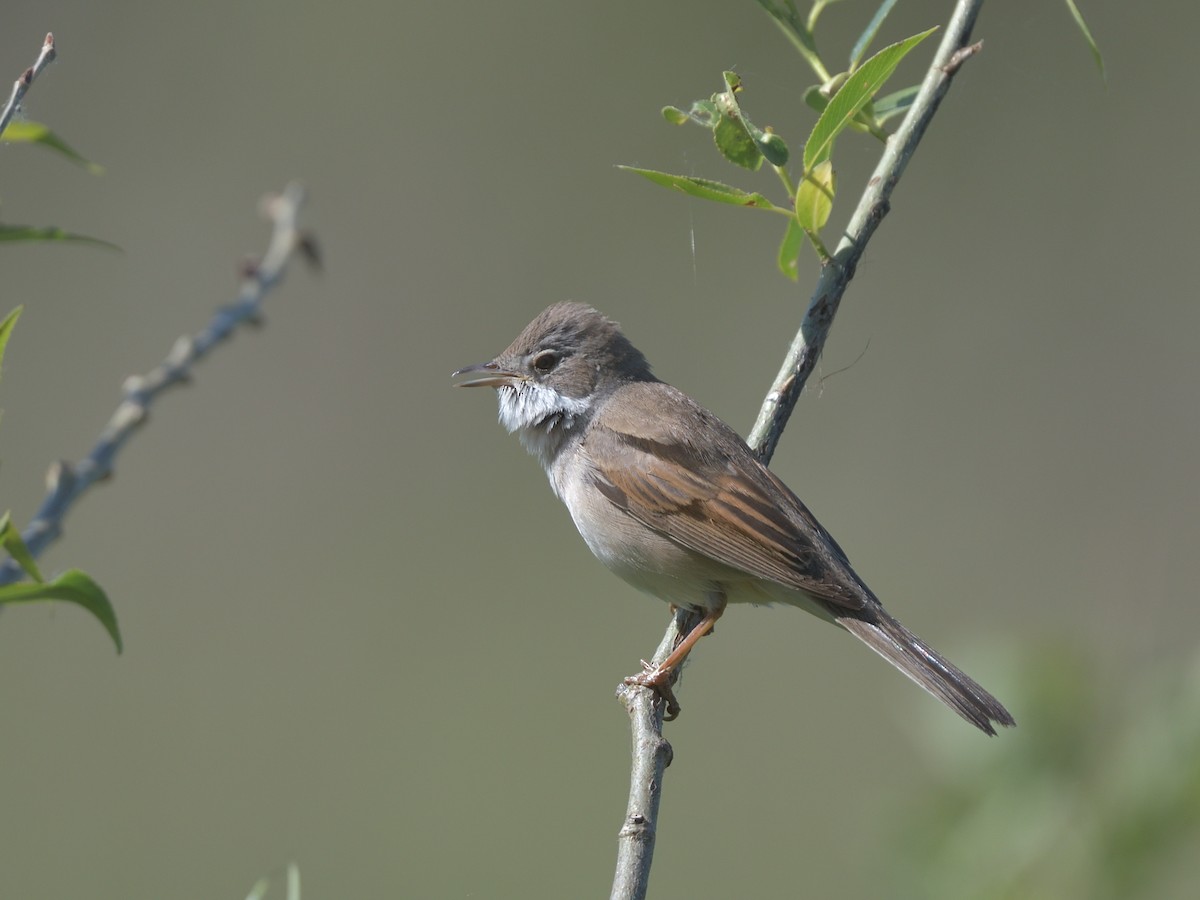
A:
[361,634]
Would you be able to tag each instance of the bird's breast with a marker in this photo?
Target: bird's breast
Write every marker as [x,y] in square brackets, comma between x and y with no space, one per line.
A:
[642,556]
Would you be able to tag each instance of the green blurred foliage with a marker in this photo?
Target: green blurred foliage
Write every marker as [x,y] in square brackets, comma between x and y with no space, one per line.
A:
[1099,798]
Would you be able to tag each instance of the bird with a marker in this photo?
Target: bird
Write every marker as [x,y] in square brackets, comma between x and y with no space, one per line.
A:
[671,499]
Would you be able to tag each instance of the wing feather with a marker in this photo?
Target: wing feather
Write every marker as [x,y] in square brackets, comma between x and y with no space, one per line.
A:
[737,512]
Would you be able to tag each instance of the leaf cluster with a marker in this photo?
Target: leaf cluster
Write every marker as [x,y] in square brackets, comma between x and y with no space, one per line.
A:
[846,99]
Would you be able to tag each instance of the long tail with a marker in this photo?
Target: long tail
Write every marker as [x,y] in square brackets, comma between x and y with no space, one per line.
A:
[926,667]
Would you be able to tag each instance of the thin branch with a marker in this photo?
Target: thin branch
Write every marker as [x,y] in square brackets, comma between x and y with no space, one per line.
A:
[651,752]
[806,347]
[66,484]
[21,85]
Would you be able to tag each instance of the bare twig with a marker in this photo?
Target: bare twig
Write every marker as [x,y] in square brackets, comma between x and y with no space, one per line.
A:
[65,484]
[21,85]
[651,752]
[650,757]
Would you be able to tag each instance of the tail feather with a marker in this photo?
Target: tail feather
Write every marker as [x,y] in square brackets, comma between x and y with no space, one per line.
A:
[930,670]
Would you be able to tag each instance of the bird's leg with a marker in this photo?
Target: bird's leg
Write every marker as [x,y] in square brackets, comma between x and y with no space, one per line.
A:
[661,677]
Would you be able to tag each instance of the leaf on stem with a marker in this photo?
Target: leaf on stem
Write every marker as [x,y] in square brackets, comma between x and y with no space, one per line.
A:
[853,96]
[868,35]
[6,329]
[37,133]
[734,141]
[1087,36]
[11,540]
[895,103]
[733,129]
[737,138]
[72,586]
[814,198]
[705,188]
[674,115]
[797,31]
[48,233]
[789,250]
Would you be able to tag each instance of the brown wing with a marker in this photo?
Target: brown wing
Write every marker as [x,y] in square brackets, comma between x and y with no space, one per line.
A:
[716,499]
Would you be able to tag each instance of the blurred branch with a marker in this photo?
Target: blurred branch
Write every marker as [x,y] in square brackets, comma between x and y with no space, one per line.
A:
[651,751]
[21,85]
[65,483]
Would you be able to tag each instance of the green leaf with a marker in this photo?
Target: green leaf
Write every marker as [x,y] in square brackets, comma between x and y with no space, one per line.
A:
[703,113]
[797,31]
[675,116]
[704,188]
[814,198]
[292,885]
[815,98]
[774,148]
[10,539]
[739,127]
[73,587]
[1087,36]
[6,329]
[789,250]
[863,121]
[895,103]
[48,233]
[37,133]
[735,143]
[853,96]
[868,35]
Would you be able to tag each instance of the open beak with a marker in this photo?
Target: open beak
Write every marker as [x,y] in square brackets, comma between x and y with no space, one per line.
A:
[493,376]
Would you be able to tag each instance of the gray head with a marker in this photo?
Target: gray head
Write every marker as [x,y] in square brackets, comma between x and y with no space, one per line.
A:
[551,377]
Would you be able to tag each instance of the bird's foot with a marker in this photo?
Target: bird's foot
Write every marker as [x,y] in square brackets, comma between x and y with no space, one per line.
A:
[658,679]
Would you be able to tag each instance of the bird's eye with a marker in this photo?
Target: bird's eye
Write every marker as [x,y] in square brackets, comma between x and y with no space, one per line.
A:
[546,360]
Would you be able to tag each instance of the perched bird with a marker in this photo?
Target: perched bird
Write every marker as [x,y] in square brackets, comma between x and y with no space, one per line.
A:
[672,500]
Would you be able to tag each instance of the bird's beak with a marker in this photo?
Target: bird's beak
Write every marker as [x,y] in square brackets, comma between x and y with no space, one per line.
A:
[493,376]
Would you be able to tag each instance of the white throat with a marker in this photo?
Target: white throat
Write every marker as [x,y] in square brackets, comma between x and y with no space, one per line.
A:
[542,418]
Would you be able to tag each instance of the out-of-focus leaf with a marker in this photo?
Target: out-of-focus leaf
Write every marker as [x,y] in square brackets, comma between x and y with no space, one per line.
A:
[814,197]
[73,587]
[10,539]
[292,885]
[48,233]
[789,250]
[815,98]
[704,188]
[895,103]
[797,31]
[703,112]
[868,35]
[1087,35]
[853,96]
[674,115]
[37,133]
[6,329]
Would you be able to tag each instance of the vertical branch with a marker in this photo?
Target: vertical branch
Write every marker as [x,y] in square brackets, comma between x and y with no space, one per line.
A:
[651,751]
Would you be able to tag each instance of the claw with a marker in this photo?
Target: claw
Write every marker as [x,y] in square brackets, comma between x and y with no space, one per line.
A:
[658,681]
